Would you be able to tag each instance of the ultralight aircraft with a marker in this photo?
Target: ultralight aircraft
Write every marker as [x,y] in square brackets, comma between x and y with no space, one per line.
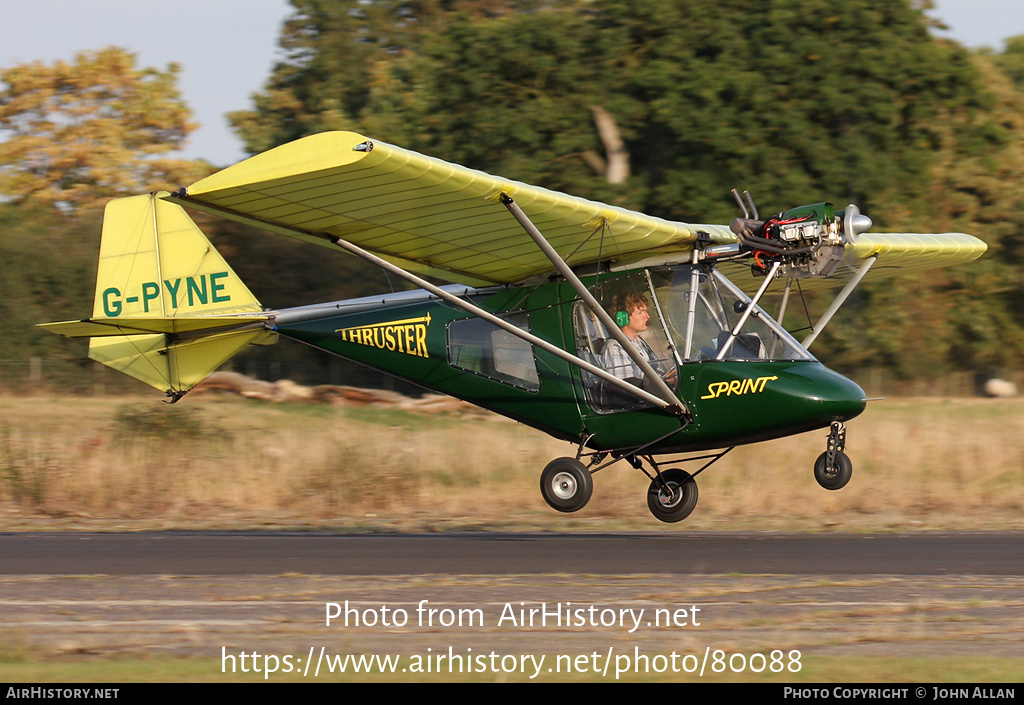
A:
[544,286]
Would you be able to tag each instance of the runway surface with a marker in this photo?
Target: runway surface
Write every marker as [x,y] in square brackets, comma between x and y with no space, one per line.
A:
[215,596]
[982,553]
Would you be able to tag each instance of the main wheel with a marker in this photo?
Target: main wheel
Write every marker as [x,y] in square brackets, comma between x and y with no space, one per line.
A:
[566,485]
[835,477]
[676,499]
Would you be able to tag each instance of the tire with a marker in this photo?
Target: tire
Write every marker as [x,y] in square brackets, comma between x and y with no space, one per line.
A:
[682,501]
[566,485]
[834,478]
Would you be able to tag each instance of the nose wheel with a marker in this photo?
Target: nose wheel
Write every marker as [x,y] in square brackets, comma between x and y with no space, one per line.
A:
[833,468]
[566,485]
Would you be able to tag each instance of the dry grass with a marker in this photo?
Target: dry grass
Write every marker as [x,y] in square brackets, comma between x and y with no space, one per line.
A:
[228,463]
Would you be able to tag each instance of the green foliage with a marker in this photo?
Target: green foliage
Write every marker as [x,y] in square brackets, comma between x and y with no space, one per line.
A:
[1011,61]
[283,272]
[797,100]
[968,317]
[49,274]
[335,55]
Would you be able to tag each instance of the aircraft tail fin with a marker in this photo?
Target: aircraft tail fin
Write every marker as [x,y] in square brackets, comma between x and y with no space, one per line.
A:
[168,309]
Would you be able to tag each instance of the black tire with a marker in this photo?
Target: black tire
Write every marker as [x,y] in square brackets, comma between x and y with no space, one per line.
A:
[676,506]
[566,485]
[834,478]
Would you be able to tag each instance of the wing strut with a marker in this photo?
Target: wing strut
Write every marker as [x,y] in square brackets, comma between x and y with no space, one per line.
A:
[503,324]
[664,391]
[839,301]
[769,278]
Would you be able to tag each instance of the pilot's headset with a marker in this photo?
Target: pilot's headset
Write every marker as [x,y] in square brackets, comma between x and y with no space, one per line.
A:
[621,315]
[620,307]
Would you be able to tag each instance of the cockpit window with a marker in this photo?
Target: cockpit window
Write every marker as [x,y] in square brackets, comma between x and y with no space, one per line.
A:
[701,309]
[477,346]
[629,301]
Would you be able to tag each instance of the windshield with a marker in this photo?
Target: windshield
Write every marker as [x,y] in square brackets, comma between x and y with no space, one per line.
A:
[701,309]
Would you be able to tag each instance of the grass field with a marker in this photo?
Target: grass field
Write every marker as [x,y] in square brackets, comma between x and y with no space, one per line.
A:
[228,463]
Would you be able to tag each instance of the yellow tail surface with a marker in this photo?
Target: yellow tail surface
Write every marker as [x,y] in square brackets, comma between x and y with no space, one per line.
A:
[168,309]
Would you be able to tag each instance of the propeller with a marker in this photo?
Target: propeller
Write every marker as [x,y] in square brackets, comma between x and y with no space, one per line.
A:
[854,224]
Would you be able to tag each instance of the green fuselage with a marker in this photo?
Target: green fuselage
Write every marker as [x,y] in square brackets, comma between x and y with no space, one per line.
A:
[437,345]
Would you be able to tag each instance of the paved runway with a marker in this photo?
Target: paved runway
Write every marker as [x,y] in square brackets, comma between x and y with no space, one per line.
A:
[890,596]
[976,553]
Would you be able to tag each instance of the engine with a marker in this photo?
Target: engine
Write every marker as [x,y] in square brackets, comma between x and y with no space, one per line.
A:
[808,240]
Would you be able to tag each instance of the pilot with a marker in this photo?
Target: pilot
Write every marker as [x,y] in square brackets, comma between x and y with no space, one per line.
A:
[630,313]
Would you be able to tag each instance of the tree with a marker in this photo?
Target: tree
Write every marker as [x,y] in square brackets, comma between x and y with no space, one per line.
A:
[1011,61]
[979,186]
[794,99]
[75,134]
[338,53]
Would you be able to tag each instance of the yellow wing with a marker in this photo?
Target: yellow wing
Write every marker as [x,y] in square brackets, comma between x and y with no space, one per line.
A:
[906,252]
[445,220]
[425,214]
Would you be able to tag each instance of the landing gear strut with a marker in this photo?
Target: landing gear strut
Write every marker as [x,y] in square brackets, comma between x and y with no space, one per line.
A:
[567,483]
[833,468]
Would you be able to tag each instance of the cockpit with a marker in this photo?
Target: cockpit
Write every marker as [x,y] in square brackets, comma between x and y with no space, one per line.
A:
[701,310]
[695,315]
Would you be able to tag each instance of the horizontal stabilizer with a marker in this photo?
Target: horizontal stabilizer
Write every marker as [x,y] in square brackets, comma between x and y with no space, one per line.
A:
[177,367]
[102,327]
